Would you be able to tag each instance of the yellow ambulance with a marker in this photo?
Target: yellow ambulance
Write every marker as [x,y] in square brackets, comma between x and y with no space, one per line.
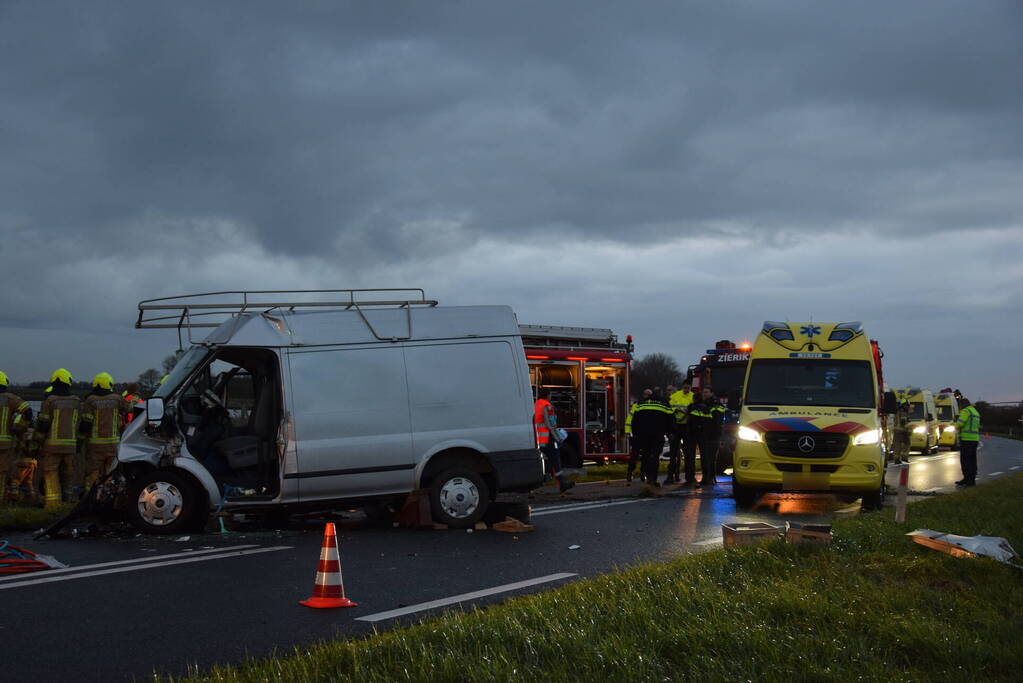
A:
[947,412]
[923,425]
[810,418]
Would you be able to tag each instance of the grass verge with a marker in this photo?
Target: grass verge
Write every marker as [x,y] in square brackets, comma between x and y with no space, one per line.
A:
[17,518]
[872,606]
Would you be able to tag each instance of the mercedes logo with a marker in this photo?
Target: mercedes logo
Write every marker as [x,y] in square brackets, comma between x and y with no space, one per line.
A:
[806,444]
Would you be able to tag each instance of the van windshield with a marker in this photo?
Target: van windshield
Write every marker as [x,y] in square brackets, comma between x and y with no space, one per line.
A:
[182,369]
[810,382]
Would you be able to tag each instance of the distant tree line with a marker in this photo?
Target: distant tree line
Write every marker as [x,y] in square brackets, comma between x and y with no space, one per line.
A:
[1000,419]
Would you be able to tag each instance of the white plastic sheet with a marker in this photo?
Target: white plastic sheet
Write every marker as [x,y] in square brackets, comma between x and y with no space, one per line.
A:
[995,547]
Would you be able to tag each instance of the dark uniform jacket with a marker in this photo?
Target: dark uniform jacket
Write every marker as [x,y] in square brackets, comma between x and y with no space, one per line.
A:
[652,419]
[706,418]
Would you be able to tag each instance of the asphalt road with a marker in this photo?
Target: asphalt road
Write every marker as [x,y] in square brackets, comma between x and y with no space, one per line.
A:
[161,604]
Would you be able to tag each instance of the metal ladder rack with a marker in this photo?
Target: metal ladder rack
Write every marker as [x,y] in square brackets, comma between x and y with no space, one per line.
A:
[195,310]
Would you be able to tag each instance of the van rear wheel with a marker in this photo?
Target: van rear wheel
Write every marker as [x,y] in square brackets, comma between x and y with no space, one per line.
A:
[459,497]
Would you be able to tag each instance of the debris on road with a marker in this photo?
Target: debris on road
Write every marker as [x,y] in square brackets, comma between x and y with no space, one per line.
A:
[995,547]
[748,533]
[183,539]
[14,560]
[574,547]
[512,526]
[799,534]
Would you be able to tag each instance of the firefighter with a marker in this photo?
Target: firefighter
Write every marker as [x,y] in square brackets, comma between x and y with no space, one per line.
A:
[968,425]
[709,414]
[900,433]
[103,413]
[57,427]
[545,422]
[15,417]
[651,422]
[679,402]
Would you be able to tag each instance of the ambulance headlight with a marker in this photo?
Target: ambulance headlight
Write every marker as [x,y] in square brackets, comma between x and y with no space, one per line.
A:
[950,428]
[919,429]
[867,438]
[747,434]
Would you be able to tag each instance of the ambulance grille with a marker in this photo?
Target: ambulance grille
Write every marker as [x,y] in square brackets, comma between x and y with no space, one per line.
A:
[824,444]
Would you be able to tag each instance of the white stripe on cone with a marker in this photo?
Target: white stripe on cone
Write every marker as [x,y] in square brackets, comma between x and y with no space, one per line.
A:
[331,579]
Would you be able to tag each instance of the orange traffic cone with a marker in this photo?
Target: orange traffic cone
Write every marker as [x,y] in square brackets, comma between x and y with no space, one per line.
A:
[987,435]
[329,589]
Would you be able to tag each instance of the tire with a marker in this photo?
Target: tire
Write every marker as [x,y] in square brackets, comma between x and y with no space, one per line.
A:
[165,502]
[458,497]
[744,496]
[874,500]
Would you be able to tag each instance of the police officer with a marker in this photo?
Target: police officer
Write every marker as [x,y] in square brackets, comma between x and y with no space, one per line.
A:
[15,417]
[709,415]
[633,453]
[651,422]
[103,413]
[57,428]
[679,401]
[968,424]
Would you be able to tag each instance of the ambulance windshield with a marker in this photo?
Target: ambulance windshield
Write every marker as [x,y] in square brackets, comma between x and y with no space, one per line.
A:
[944,413]
[810,382]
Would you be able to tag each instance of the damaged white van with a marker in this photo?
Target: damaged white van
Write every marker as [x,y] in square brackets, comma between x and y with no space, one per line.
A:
[301,399]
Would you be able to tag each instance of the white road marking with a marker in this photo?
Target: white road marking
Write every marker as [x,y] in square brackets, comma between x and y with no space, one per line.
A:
[464,597]
[151,565]
[589,506]
[996,474]
[710,541]
[1015,467]
[150,558]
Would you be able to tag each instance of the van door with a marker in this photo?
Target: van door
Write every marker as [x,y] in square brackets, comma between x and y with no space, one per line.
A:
[352,429]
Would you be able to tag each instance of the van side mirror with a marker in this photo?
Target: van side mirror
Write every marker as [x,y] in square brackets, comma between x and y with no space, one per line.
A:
[890,405]
[154,411]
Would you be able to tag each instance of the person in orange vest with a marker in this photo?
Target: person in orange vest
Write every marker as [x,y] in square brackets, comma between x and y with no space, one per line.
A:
[546,423]
[15,416]
[103,413]
[57,427]
[133,397]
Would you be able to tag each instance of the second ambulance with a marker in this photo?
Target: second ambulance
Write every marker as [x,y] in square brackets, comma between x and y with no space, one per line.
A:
[811,413]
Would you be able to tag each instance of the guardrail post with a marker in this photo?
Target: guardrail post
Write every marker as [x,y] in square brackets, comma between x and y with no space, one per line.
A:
[900,500]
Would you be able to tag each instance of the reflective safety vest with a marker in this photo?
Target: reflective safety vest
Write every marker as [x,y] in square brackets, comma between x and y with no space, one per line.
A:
[628,419]
[969,424]
[679,401]
[104,416]
[12,410]
[543,434]
[58,422]
[132,400]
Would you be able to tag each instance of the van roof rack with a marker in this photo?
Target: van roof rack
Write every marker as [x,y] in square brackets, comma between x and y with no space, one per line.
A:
[189,311]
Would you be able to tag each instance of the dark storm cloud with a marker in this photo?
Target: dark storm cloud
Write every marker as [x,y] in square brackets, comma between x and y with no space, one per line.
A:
[335,126]
[486,149]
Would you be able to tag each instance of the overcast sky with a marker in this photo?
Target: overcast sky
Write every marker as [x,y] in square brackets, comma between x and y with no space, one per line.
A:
[680,171]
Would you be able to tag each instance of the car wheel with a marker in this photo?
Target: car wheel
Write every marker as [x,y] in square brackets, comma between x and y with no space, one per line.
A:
[458,497]
[165,502]
[874,500]
[744,496]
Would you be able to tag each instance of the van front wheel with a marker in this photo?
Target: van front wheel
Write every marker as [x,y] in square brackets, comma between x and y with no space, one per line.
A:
[459,497]
[164,502]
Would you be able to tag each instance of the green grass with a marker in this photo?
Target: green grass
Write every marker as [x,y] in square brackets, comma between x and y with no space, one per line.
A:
[872,606]
[18,518]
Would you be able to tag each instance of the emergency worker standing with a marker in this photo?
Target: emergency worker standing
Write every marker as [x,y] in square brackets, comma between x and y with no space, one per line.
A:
[679,401]
[651,422]
[15,417]
[633,453]
[132,396]
[968,425]
[545,421]
[900,433]
[103,413]
[57,427]
[709,415]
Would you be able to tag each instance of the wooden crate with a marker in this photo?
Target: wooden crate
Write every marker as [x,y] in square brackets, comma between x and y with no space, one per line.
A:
[798,533]
[748,533]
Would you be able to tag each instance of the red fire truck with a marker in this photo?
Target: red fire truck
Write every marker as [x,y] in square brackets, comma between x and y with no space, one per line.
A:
[587,372]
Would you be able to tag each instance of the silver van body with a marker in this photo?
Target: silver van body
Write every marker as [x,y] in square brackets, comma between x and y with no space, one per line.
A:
[291,406]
